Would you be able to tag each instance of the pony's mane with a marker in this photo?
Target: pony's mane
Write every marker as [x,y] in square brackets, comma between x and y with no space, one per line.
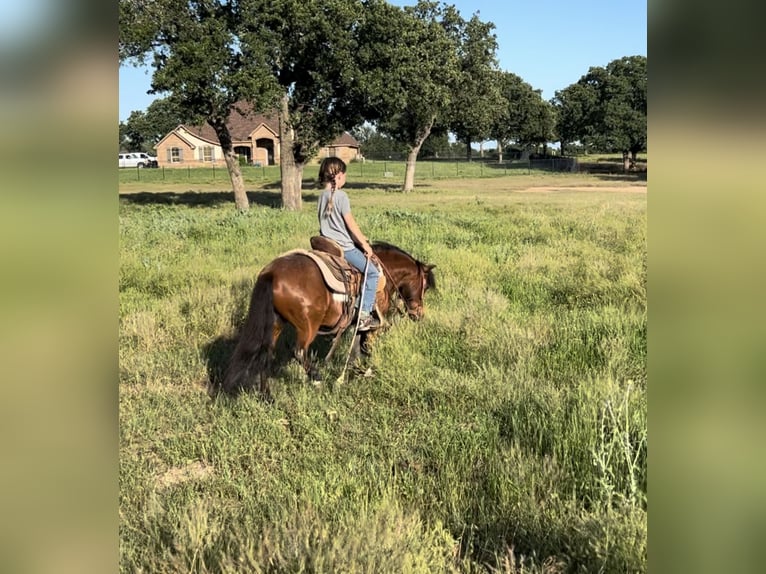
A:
[389,247]
[430,278]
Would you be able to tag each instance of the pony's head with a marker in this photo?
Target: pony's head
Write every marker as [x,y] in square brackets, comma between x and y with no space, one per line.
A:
[412,278]
[413,290]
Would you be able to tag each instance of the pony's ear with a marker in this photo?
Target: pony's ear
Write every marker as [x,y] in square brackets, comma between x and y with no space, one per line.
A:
[430,266]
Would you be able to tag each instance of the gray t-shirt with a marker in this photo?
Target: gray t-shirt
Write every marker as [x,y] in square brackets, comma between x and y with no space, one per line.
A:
[332,225]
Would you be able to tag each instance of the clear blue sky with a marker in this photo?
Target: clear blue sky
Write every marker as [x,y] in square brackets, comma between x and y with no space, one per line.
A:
[549,44]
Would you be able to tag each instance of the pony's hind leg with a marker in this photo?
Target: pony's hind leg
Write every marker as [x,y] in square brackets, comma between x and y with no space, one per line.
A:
[266,372]
[306,336]
[304,358]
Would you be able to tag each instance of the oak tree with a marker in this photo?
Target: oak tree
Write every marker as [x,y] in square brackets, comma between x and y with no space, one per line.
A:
[311,53]
[199,63]
[410,70]
[606,108]
[142,130]
[476,101]
[525,118]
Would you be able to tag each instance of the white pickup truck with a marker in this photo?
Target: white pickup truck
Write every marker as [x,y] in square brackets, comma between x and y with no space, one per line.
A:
[137,159]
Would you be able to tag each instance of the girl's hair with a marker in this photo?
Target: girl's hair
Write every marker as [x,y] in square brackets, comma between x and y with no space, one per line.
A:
[328,169]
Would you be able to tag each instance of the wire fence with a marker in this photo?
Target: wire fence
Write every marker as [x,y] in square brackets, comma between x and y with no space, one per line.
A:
[391,171]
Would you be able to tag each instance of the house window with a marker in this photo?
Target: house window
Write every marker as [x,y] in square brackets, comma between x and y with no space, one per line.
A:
[207,153]
[175,155]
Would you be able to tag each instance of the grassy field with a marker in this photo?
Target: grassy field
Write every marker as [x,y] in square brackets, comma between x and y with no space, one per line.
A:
[507,432]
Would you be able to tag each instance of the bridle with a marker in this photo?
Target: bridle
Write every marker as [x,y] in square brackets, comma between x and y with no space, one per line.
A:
[390,279]
[396,287]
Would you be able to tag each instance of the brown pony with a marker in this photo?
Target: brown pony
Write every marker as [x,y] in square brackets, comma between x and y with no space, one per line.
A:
[291,289]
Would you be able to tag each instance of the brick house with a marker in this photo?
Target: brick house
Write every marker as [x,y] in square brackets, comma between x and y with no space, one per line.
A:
[254,137]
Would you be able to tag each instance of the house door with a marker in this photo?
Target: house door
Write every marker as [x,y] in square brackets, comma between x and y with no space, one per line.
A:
[243,151]
[268,145]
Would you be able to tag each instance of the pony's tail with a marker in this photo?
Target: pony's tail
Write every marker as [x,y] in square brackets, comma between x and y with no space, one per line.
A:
[251,355]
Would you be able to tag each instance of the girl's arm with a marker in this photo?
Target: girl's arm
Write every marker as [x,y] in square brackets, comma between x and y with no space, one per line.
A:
[357,235]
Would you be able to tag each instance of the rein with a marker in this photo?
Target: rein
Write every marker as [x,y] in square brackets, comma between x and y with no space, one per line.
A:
[356,327]
[391,279]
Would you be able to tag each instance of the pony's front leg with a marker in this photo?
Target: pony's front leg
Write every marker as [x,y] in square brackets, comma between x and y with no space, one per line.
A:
[360,352]
[334,345]
[356,346]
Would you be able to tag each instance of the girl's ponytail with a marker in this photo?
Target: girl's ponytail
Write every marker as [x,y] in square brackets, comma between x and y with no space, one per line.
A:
[331,202]
[330,167]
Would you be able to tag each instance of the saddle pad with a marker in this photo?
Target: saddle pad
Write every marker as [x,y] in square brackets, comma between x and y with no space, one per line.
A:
[334,283]
[331,266]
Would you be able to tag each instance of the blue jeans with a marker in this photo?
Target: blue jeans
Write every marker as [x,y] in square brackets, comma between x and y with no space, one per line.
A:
[357,259]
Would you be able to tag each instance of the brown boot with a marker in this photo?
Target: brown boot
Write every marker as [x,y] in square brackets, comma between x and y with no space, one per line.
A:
[367,322]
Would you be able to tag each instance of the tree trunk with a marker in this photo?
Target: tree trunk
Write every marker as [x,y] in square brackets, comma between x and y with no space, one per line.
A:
[499,151]
[292,183]
[625,161]
[232,164]
[412,158]
[563,149]
[290,170]
[633,159]
[468,148]
[409,170]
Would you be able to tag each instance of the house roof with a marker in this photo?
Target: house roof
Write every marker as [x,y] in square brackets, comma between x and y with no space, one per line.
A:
[346,140]
[243,120]
[179,134]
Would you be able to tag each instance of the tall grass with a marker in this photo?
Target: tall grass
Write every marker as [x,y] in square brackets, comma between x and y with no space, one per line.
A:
[507,432]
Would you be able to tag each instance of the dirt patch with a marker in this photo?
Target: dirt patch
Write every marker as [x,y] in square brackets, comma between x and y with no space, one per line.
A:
[536,183]
[629,188]
[196,470]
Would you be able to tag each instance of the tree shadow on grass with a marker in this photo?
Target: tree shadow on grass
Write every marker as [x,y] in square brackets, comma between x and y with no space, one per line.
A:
[608,169]
[192,198]
[310,192]
[626,176]
[394,186]
[270,196]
